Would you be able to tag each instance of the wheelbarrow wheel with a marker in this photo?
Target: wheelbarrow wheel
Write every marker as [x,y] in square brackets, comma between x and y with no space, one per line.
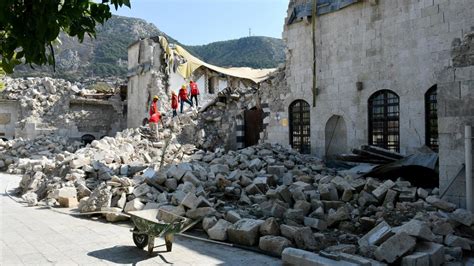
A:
[140,240]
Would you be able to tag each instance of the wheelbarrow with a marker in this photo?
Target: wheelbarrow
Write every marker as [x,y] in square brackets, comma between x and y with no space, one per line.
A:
[153,223]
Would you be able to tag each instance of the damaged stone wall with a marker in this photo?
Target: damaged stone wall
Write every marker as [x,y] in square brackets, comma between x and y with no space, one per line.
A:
[382,45]
[150,73]
[9,113]
[41,106]
[455,93]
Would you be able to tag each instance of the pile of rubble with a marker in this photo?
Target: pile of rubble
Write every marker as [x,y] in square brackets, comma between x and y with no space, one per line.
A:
[264,195]
[46,101]
[40,98]
[16,154]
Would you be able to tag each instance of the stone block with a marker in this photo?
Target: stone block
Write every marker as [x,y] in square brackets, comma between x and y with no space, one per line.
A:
[68,202]
[190,177]
[141,190]
[303,205]
[304,238]
[245,232]
[293,256]
[457,241]
[232,216]
[395,247]
[134,205]
[442,228]
[377,235]
[380,191]
[273,244]
[315,223]
[190,201]
[208,222]
[462,216]
[417,229]
[270,227]
[440,204]
[435,252]
[200,212]
[416,259]
[288,231]
[219,230]
[276,170]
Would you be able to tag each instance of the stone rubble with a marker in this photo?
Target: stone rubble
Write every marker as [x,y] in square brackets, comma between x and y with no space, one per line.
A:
[264,196]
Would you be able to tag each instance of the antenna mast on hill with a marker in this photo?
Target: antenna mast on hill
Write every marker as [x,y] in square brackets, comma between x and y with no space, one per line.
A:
[250,32]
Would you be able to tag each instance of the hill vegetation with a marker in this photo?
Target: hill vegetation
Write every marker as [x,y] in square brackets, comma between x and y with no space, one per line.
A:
[106,56]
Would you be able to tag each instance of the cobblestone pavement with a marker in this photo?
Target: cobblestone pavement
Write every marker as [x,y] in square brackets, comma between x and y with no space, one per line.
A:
[40,236]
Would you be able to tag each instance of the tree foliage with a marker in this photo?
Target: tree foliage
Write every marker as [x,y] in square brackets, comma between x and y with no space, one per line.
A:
[29,28]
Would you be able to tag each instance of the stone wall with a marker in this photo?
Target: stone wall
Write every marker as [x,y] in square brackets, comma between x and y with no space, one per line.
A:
[9,114]
[42,106]
[456,98]
[394,45]
[150,74]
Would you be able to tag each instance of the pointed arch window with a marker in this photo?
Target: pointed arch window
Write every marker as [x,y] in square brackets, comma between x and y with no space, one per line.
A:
[384,120]
[431,120]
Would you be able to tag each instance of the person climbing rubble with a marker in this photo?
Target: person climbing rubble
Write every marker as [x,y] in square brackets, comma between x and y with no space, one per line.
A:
[194,92]
[155,117]
[183,97]
[174,103]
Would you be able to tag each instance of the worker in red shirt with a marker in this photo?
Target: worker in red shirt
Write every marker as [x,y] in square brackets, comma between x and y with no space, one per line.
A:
[174,103]
[183,97]
[194,92]
[155,117]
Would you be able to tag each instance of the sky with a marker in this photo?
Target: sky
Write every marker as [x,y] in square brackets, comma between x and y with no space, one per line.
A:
[197,22]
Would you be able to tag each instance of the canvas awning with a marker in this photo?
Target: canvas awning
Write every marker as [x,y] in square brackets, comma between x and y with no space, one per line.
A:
[192,64]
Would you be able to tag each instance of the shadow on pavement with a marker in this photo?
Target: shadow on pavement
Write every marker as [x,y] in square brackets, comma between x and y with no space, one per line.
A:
[125,255]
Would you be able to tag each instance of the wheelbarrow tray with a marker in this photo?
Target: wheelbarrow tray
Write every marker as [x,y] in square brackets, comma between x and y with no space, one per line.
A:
[147,223]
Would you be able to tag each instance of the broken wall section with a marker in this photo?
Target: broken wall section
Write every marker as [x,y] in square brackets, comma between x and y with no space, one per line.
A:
[455,96]
[42,106]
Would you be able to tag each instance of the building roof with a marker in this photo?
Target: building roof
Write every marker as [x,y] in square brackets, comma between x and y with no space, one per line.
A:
[193,63]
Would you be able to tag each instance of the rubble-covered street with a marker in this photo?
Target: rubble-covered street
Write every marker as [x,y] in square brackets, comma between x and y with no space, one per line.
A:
[39,236]
[354,149]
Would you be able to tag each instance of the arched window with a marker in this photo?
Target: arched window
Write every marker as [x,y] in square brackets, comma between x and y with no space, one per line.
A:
[300,126]
[431,119]
[384,115]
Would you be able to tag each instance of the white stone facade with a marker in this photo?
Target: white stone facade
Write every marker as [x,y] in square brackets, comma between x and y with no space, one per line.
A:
[394,45]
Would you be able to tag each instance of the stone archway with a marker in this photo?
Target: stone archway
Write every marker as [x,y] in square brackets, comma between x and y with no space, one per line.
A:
[336,136]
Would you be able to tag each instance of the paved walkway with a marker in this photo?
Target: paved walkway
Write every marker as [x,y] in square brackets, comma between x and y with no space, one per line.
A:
[40,236]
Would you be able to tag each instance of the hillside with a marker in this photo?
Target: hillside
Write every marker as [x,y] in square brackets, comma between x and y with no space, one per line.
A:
[255,52]
[106,56]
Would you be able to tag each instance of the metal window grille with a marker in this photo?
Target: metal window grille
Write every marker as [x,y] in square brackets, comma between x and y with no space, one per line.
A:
[431,119]
[384,120]
[300,126]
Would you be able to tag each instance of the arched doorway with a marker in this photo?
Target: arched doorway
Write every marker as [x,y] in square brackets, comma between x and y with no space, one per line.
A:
[300,126]
[87,139]
[336,136]
[384,120]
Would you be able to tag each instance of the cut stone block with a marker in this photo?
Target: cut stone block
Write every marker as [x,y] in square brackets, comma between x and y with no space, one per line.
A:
[219,230]
[245,232]
[395,247]
[293,256]
[274,244]
[377,235]
[417,229]
[435,252]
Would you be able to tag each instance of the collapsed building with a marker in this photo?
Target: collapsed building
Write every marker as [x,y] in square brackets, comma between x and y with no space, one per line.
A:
[156,67]
[34,107]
